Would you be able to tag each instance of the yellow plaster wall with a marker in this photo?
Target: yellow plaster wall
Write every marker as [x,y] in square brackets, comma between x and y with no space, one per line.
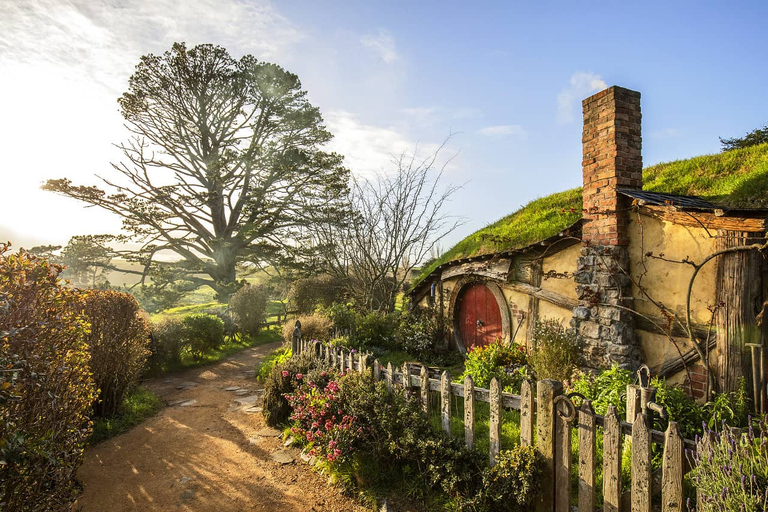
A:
[552,312]
[563,261]
[667,282]
[521,301]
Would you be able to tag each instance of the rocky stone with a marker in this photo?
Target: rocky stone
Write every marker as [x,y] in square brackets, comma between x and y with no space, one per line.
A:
[188,403]
[247,400]
[241,392]
[252,410]
[284,456]
[187,385]
[232,388]
[268,432]
[187,495]
[288,442]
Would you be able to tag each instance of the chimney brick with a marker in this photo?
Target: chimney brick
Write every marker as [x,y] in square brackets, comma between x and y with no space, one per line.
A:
[612,158]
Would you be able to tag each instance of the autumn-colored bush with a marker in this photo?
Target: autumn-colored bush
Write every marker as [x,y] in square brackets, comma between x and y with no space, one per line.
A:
[46,390]
[249,308]
[119,345]
[313,327]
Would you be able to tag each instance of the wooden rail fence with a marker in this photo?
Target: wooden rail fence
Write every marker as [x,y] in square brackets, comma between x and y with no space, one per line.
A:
[548,419]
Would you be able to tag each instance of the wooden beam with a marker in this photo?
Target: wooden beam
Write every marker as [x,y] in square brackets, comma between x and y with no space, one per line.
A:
[676,364]
[705,220]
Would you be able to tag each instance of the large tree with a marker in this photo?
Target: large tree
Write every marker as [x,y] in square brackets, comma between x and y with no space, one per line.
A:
[225,165]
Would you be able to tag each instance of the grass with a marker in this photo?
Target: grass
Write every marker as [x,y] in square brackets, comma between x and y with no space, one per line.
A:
[139,405]
[274,307]
[735,179]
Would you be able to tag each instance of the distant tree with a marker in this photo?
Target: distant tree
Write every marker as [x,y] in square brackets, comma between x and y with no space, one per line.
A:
[398,220]
[249,306]
[225,166]
[753,138]
[87,262]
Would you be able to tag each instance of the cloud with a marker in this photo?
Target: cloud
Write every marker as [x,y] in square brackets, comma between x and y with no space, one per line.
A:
[580,86]
[503,129]
[383,44]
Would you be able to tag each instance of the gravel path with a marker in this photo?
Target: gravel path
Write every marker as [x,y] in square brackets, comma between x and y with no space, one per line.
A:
[207,450]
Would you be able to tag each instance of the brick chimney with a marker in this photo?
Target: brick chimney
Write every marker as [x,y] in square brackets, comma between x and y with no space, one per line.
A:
[612,158]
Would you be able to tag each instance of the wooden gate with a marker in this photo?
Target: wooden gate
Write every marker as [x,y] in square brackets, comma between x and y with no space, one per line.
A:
[479,317]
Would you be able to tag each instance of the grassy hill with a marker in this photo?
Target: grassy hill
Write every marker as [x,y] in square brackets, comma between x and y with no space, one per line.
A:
[736,179]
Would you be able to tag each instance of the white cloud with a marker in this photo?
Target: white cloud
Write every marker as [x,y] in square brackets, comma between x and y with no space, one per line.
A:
[580,86]
[383,44]
[503,129]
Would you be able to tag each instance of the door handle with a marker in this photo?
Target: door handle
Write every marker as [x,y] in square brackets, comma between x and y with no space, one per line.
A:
[480,323]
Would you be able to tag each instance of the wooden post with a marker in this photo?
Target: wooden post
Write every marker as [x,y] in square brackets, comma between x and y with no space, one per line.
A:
[587,443]
[342,360]
[424,382]
[296,338]
[351,361]
[527,407]
[757,356]
[376,370]
[469,412]
[641,465]
[672,470]
[406,376]
[633,402]
[390,377]
[546,391]
[565,412]
[445,402]
[612,461]
[495,421]
[362,363]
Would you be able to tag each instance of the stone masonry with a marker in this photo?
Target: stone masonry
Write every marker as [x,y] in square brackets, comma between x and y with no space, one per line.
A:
[611,159]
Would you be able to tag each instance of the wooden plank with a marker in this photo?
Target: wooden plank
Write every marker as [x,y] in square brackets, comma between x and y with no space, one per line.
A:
[633,402]
[552,297]
[351,361]
[376,370]
[424,385]
[677,364]
[469,412]
[390,377]
[495,421]
[362,360]
[495,269]
[445,402]
[406,376]
[546,391]
[526,414]
[587,444]
[672,470]
[564,415]
[705,220]
[641,465]
[612,462]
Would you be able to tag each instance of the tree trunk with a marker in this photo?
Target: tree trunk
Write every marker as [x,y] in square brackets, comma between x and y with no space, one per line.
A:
[739,294]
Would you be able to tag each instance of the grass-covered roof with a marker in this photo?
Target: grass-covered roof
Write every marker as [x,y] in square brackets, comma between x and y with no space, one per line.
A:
[735,179]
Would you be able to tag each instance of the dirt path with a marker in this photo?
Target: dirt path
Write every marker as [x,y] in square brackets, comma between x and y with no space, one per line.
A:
[203,452]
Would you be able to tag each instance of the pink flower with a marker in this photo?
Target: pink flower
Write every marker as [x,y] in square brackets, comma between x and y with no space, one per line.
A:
[299,376]
[285,373]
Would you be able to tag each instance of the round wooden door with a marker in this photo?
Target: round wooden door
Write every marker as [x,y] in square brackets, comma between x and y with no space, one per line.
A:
[479,316]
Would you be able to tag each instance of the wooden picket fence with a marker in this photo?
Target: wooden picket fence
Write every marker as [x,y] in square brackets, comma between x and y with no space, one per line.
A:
[548,419]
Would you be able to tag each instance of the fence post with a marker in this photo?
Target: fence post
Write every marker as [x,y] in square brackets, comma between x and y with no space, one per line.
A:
[527,408]
[469,412]
[424,381]
[296,339]
[633,402]
[390,376]
[546,391]
[612,461]
[342,360]
[445,402]
[495,421]
[672,470]
[641,465]
[565,413]
[587,443]
[376,370]
[406,377]
[351,360]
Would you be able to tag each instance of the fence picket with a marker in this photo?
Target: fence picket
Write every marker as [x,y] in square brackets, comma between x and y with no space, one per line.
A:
[351,361]
[469,412]
[587,443]
[672,470]
[612,461]
[546,391]
[406,376]
[424,383]
[342,360]
[526,413]
[376,370]
[390,376]
[641,465]
[565,412]
[361,363]
[445,402]
[495,421]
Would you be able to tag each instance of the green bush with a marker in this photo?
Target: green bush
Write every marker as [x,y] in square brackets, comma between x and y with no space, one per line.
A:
[46,390]
[375,329]
[555,351]
[307,294]
[501,360]
[417,334]
[249,308]
[609,387]
[731,471]
[343,316]
[313,327]
[203,333]
[282,381]
[168,341]
[278,357]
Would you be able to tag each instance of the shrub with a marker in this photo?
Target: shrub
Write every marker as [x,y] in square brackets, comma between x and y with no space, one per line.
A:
[278,357]
[343,316]
[313,327]
[504,361]
[417,334]
[376,329]
[282,381]
[681,408]
[731,471]
[46,390]
[203,333]
[513,484]
[606,388]
[118,342]
[309,293]
[249,308]
[555,351]
[168,339]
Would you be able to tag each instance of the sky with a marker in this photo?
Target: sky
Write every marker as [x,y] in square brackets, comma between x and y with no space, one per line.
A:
[505,78]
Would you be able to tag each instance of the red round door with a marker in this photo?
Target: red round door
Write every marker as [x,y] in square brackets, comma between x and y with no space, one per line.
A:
[479,316]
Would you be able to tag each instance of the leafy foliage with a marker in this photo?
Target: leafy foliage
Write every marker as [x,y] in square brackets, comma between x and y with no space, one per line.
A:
[606,388]
[168,339]
[555,351]
[46,390]
[118,342]
[276,358]
[418,333]
[513,484]
[138,405]
[310,293]
[249,307]
[282,381]
[503,361]
[753,138]
[203,333]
